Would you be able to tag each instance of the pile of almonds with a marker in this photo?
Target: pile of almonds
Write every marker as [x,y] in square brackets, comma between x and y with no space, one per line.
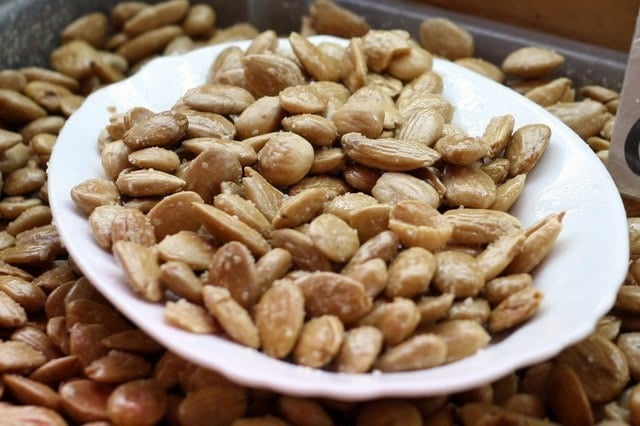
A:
[68,357]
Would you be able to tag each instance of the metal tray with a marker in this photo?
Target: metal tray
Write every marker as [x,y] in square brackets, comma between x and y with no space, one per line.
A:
[29,30]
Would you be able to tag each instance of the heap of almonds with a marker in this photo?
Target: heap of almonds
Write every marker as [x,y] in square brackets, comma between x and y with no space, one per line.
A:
[68,357]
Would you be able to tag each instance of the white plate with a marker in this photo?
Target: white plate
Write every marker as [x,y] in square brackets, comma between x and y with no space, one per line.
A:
[579,280]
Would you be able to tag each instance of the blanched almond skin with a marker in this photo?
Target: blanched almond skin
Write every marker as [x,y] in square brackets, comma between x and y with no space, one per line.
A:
[279,316]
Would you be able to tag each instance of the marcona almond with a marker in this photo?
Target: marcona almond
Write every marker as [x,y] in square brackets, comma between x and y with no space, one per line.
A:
[141,268]
[93,193]
[173,214]
[424,126]
[232,317]
[218,98]
[300,208]
[468,186]
[161,129]
[319,342]
[313,59]
[479,226]
[262,116]
[189,316]
[316,129]
[527,145]
[268,74]
[420,225]
[458,273]
[387,154]
[285,159]
[334,237]
[463,337]
[118,367]
[304,254]
[600,365]
[329,293]
[228,228]
[396,319]
[178,277]
[418,352]
[412,64]
[395,187]
[538,243]
[370,221]
[410,273]
[279,316]
[532,61]
[586,117]
[515,309]
[137,401]
[148,183]
[205,173]
[359,349]
[445,38]
[233,267]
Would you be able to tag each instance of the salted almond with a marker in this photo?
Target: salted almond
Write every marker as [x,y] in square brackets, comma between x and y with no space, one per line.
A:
[279,316]
[148,183]
[334,294]
[532,61]
[320,340]
[233,267]
[314,61]
[268,75]
[187,247]
[387,153]
[141,268]
[359,350]
[300,208]
[418,352]
[173,214]
[232,317]
[204,174]
[304,254]
[229,228]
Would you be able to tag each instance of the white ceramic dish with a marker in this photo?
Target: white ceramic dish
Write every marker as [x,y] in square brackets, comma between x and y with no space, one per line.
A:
[579,280]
